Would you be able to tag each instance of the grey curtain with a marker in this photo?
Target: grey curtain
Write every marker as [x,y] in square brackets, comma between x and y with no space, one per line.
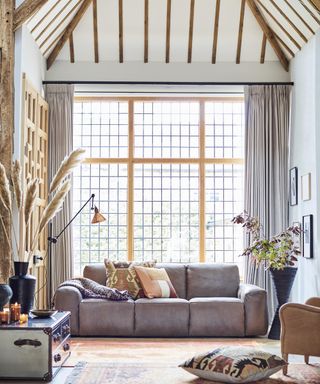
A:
[60,100]
[266,168]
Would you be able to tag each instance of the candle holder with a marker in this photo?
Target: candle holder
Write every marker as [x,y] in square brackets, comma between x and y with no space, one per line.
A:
[15,311]
[5,316]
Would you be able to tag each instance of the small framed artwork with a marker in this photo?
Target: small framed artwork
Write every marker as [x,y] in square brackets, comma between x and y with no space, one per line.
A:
[307,230]
[306,186]
[294,186]
[297,238]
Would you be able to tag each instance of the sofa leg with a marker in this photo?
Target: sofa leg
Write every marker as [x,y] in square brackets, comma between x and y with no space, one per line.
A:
[285,368]
[306,359]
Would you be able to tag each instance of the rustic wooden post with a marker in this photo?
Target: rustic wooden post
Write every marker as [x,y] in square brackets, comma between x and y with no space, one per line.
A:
[6,118]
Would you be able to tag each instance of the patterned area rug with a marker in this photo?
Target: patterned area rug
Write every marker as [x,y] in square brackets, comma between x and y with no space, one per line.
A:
[116,373]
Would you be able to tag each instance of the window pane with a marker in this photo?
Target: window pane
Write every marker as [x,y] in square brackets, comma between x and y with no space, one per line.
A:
[166,212]
[94,242]
[224,199]
[166,129]
[101,128]
[224,122]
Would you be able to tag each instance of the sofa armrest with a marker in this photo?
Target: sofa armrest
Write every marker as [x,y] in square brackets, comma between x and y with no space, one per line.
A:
[68,299]
[255,309]
[314,301]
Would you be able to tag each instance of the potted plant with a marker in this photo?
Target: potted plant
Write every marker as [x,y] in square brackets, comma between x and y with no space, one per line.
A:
[17,205]
[278,254]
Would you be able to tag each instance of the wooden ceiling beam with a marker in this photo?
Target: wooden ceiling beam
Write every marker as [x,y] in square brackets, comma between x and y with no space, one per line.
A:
[284,30]
[95,32]
[315,4]
[263,48]
[59,24]
[190,40]
[215,32]
[242,10]
[269,33]
[26,10]
[120,2]
[299,16]
[45,16]
[71,48]
[276,6]
[285,46]
[56,17]
[168,27]
[309,11]
[146,31]
[69,29]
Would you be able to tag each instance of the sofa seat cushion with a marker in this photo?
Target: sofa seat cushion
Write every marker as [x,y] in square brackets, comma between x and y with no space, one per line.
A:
[161,317]
[216,316]
[106,318]
[212,280]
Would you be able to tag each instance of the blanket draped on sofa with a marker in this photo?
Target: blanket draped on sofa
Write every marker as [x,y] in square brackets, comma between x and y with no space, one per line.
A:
[89,289]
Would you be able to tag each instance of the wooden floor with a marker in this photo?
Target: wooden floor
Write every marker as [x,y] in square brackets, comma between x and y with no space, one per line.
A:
[133,350]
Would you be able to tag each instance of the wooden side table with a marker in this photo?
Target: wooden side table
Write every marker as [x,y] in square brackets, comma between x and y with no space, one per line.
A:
[35,350]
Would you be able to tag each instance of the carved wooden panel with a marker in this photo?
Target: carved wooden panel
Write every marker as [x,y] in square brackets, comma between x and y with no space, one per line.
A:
[35,165]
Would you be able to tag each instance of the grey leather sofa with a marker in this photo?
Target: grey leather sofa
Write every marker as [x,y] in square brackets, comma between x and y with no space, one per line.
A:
[212,302]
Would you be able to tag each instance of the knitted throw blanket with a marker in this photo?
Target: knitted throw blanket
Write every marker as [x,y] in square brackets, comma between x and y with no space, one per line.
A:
[89,289]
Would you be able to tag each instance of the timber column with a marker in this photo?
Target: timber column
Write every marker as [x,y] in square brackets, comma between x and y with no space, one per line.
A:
[6,116]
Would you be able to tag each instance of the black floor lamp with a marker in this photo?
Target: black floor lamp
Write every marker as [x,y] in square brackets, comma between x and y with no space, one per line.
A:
[97,218]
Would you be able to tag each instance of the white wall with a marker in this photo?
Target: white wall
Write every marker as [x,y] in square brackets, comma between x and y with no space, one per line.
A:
[305,154]
[28,60]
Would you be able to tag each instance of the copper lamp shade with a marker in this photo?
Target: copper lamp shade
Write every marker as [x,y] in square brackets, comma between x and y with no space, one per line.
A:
[97,217]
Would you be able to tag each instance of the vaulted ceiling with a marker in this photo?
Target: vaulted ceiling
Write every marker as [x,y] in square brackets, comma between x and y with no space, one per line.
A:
[172,31]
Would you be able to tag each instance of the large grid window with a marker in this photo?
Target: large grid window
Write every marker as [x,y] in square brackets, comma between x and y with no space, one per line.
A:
[167,175]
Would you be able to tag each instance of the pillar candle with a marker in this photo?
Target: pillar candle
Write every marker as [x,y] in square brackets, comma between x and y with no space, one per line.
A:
[15,312]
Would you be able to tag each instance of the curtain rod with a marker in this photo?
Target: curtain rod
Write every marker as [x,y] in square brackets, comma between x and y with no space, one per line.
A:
[162,83]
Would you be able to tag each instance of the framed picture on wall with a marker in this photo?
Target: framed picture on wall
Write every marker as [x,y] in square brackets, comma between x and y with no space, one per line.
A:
[297,238]
[294,186]
[307,234]
[306,186]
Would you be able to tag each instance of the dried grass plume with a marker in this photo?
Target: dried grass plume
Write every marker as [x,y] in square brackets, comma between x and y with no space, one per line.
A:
[66,167]
[31,196]
[5,195]
[16,182]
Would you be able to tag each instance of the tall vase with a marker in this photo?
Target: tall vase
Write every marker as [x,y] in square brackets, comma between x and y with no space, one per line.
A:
[282,281]
[5,295]
[23,286]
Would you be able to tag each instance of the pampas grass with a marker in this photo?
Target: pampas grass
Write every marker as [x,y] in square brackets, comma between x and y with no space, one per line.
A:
[30,199]
[16,182]
[66,167]
[5,195]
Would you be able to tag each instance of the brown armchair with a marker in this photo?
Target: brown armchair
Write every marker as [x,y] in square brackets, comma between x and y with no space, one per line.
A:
[300,329]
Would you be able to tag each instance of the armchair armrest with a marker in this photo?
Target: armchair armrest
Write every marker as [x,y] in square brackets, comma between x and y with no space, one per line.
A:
[68,299]
[300,329]
[255,308]
[315,301]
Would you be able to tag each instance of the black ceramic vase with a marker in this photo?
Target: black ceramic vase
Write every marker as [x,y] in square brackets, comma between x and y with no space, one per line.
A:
[23,286]
[5,295]
[282,281]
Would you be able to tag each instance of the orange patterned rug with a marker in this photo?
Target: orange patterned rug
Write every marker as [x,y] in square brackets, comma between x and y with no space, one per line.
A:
[117,373]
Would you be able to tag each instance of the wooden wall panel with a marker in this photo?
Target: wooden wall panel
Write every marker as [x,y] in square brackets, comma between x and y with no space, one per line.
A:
[34,160]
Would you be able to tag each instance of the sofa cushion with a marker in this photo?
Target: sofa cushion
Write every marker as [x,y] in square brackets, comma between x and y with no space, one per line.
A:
[216,316]
[122,276]
[95,272]
[178,276]
[155,282]
[106,318]
[234,365]
[161,317]
[212,280]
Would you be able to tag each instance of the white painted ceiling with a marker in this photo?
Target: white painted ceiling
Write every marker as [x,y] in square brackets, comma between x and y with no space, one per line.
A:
[52,19]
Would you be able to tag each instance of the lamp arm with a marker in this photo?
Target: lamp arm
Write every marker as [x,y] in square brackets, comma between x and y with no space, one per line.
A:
[53,239]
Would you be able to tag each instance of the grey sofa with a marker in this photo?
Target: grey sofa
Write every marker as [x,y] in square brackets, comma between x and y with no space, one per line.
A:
[212,302]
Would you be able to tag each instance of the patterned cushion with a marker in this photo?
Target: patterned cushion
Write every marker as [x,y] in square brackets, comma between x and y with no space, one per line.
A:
[121,275]
[234,365]
[155,282]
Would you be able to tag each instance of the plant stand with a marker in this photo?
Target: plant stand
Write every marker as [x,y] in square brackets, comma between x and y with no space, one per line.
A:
[282,281]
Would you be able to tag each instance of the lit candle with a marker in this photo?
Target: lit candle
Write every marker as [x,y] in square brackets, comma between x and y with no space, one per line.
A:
[5,316]
[15,312]
[23,318]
